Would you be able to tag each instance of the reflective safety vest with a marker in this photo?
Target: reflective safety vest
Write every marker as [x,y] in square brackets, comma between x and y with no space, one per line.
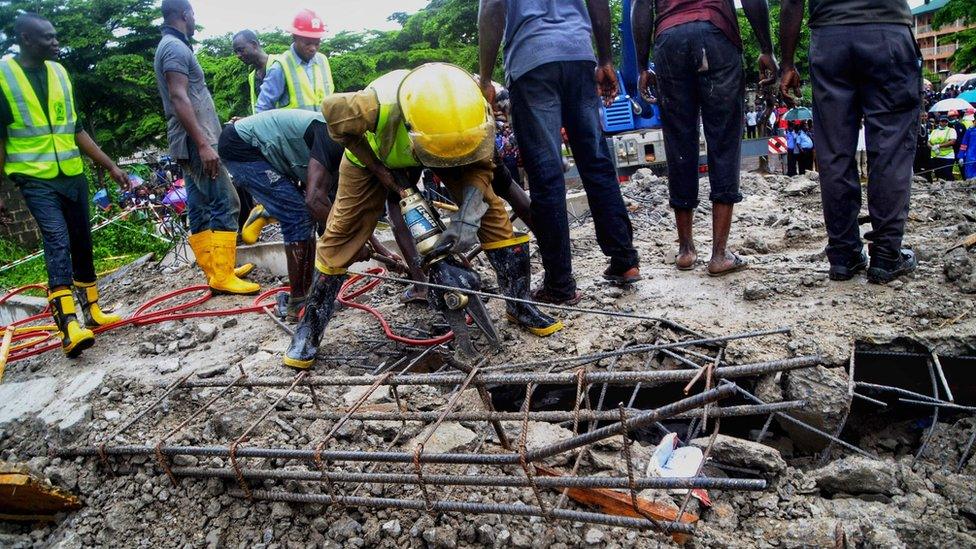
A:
[40,141]
[252,78]
[302,93]
[390,141]
[938,137]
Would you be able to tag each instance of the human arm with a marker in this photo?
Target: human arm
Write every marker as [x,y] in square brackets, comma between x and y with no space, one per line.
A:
[606,76]
[91,149]
[790,20]
[177,84]
[642,25]
[272,88]
[350,116]
[317,189]
[757,12]
[491,26]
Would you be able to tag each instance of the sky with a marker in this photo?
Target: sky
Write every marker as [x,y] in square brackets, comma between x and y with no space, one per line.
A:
[218,17]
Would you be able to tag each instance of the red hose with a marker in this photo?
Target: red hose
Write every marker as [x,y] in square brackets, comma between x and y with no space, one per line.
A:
[347,294]
[144,316]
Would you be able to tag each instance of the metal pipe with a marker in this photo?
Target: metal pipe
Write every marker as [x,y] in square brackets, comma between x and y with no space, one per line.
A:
[942,377]
[550,416]
[662,483]
[524,378]
[469,508]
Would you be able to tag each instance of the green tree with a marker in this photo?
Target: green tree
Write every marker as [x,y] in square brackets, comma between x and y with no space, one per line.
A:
[964,59]
[107,48]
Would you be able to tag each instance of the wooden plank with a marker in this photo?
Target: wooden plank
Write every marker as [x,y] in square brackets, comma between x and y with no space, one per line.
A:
[616,502]
[8,337]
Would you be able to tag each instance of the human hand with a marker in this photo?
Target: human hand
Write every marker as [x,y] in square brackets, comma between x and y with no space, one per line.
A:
[789,83]
[606,83]
[767,69]
[488,90]
[119,177]
[645,81]
[210,161]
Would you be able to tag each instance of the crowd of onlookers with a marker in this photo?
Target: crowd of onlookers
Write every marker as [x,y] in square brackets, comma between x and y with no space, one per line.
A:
[797,128]
[945,141]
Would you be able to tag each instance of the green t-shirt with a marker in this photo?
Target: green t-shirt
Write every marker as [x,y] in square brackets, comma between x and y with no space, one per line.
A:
[858,12]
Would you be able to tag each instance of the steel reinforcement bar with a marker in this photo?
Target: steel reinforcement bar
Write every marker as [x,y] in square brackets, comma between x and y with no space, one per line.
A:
[609,378]
[658,483]
[548,416]
[470,508]
[636,422]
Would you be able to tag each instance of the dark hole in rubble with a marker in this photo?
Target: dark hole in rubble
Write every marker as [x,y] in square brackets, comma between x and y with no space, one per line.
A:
[906,367]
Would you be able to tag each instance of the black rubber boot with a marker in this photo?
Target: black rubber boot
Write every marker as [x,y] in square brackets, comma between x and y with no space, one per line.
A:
[320,303]
[301,262]
[514,272]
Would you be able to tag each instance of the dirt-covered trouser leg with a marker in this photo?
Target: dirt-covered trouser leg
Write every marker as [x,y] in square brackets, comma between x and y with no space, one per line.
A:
[514,270]
[319,307]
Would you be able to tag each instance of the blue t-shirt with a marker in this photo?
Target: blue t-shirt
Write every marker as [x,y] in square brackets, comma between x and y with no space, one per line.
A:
[543,31]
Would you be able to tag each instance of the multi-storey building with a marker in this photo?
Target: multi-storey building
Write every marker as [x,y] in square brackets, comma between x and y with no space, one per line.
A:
[937,45]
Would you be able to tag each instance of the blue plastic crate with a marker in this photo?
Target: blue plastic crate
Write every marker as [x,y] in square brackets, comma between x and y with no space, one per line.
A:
[619,116]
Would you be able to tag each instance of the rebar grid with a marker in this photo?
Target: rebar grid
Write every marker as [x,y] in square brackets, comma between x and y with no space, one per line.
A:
[418,470]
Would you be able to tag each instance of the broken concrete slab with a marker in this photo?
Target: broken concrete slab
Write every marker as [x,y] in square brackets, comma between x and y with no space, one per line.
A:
[857,475]
[26,397]
[827,400]
[448,437]
[744,453]
[353,395]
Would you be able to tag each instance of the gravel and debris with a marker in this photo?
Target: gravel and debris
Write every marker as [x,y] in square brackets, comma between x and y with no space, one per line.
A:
[49,401]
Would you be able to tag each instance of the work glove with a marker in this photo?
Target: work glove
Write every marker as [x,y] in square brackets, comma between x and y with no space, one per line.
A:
[448,272]
[462,233]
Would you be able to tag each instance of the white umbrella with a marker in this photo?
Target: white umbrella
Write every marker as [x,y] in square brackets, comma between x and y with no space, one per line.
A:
[958,78]
[953,104]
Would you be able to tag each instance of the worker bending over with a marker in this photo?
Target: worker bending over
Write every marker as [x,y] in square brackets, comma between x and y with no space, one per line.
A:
[270,154]
[433,116]
[41,141]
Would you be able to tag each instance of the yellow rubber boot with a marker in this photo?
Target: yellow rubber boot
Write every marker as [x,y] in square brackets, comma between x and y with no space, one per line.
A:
[88,298]
[201,245]
[74,338]
[256,220]
[223,246]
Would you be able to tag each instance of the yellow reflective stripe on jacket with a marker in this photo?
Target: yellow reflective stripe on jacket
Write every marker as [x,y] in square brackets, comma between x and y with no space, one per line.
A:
[390,141]
[252,78]
[41,141]
[303,93]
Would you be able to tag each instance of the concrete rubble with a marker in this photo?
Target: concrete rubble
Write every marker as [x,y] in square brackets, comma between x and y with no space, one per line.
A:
[48,402]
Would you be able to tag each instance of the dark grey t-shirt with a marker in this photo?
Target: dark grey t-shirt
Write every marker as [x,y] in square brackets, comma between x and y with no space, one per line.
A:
[858,12]
[543,31]
[173,55]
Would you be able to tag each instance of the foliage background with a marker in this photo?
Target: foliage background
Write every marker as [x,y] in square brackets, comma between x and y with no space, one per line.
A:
[108,47]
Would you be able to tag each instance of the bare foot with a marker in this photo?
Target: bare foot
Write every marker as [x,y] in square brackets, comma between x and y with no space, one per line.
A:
[686,259]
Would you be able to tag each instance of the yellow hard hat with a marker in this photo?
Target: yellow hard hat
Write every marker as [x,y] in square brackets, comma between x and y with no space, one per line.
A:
[449,122]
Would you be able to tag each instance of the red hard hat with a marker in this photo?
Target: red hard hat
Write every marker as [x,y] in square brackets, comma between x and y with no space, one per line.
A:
[970,110]
[308,25]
